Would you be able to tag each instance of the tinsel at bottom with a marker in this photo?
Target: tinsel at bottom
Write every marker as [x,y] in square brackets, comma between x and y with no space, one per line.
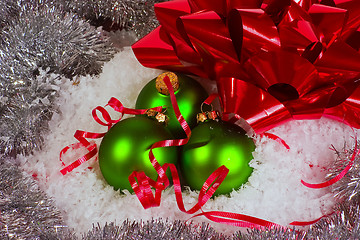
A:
[28,213]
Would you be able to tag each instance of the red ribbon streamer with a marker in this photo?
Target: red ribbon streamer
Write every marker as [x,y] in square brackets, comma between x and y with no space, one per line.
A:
[339,176]
[276,138]
[82,136]
[299,223]
[238,220]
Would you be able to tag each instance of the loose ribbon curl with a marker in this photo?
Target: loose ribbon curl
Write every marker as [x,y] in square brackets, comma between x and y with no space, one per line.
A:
[273,61]
[82,135]
[337,177]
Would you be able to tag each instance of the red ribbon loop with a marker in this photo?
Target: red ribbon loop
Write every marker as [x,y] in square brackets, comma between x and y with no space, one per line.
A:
[306,223]
[143,188]
[339,176]
[276,138]
[82,135]
[106,116]
[239,220]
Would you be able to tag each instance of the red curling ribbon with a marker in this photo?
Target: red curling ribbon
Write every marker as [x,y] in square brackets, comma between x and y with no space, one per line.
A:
[211,98]
[82,136]
[207,190]
[142,187]
[307,223]
[339,176]
[238,220]
[276,138]
[236,119]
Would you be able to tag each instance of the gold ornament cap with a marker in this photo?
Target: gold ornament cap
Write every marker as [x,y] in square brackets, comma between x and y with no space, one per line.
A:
[161,86]
[160,117]
[204,116]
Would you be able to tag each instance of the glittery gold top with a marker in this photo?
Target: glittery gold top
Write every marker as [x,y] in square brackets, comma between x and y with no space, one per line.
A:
[161,86]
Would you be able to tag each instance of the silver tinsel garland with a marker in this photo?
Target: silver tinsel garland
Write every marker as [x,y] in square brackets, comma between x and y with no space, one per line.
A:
[25,211]
[41,37]
[155,230]
[8,11]
[137,16]
[271,234]
[50,38]
[348,188]
[25,110]
[343,224]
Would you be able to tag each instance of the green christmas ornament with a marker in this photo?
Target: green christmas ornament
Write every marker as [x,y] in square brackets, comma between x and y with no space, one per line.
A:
[189,95]
[125,148]
[211,145]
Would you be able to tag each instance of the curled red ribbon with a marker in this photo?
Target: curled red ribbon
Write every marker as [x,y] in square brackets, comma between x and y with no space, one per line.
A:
[273,61]
[339,176]
[82,136]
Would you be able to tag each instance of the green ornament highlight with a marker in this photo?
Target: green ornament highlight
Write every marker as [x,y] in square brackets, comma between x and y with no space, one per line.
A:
[189,95]
[125,148]
[211,145]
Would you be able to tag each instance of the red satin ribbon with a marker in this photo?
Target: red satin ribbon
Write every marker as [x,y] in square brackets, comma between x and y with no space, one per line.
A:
[276,138]
[82,136]
[307,223]
[238,220]
[339,176]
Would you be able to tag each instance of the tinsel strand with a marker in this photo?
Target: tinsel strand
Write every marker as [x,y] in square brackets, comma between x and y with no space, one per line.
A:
[348,188]
[137,16]
[50,38]
[41,37]
[25,112]
[270,234]
[154,229]
[344,224]
[25,211]
[8,10]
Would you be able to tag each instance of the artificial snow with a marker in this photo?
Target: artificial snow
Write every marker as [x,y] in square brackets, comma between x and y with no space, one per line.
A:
[274,191]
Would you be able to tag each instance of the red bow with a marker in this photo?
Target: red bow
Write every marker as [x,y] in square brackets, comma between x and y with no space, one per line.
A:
[273,60]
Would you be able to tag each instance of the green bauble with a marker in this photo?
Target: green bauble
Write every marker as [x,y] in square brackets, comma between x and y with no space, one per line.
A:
[211,145]
[125,148]
[189,95]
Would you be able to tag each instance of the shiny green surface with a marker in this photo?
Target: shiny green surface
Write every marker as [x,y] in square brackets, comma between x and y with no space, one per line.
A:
[213,144]
[125,148]
[189,96]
